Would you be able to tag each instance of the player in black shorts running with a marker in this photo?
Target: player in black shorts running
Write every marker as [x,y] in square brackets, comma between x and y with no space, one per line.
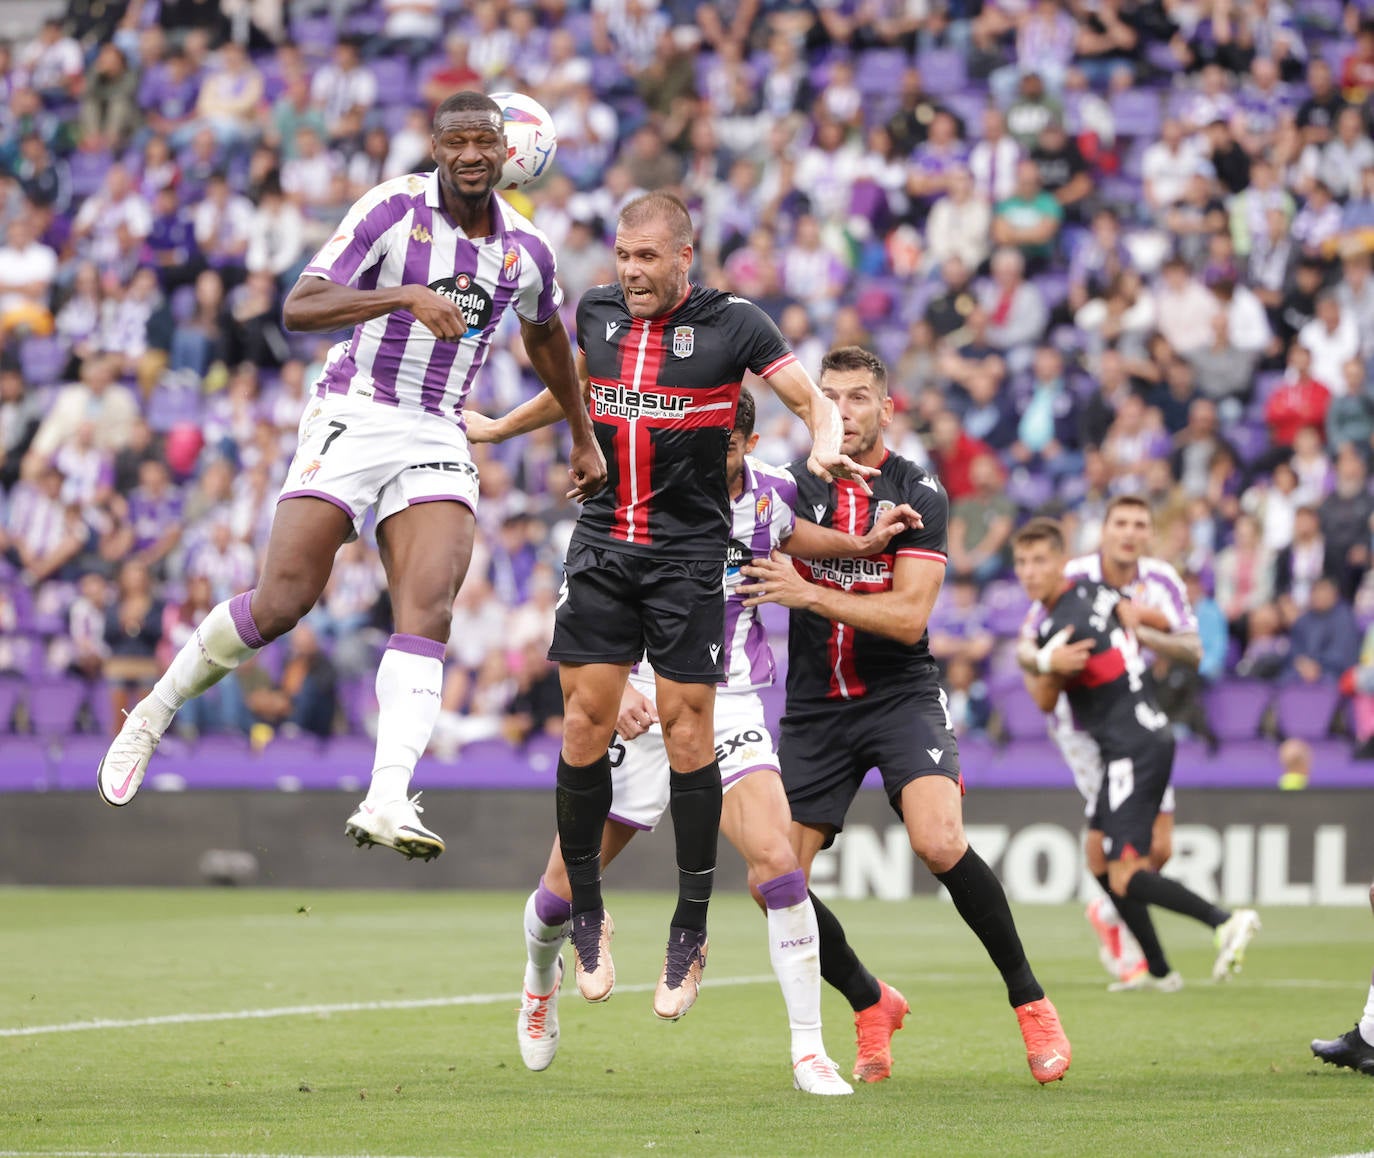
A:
[863,691]
[663,361]
[1112,703]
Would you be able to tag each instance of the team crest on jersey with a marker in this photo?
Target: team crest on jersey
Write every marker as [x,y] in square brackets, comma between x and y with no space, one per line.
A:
[308,474]
[510,265]
[684,341]
[421,234]
[763,507]
[884,505]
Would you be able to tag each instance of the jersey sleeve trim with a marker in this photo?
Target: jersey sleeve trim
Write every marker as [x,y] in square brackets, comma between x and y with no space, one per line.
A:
[777,364]
[923,553]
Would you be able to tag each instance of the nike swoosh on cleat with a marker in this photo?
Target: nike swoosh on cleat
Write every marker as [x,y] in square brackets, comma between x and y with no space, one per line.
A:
[123,790]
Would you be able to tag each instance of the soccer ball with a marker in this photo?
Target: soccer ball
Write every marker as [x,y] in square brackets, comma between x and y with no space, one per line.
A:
[530,139]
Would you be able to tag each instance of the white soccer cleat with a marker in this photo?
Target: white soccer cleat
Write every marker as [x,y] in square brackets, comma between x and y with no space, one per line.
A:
[817,1074]
[536,1026]
[1143,981]
[394,824]
[1231,941]
[125,763]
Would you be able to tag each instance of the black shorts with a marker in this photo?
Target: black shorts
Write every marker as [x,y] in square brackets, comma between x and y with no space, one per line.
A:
[827,749]
[615,607]
[1132,791]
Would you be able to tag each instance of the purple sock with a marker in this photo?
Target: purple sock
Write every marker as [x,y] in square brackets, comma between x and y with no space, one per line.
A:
[241,612]
[549,907]
[785,891]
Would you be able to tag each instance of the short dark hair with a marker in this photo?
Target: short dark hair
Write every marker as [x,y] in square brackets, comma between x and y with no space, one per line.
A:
[466,101]
[855,358]
[1040,530]
[659,206]
[1128,501]
[746,410]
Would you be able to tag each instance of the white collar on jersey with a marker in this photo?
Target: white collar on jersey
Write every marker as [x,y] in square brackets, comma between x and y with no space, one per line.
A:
[435,201]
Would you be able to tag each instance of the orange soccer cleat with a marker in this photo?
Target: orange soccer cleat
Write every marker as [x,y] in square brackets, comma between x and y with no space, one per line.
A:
[875,1026]
[1047,1046]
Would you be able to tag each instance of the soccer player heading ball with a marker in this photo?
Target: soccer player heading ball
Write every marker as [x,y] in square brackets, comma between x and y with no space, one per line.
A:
[423,267]
[663,361]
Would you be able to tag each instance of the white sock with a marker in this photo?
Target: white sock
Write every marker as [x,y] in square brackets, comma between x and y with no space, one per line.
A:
[794,947]
[410,679]
[225,638]
[543,947]
[1367,1021]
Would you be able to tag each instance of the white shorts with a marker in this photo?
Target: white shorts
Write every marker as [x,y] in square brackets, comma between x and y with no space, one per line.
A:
[357,453]
[639,767]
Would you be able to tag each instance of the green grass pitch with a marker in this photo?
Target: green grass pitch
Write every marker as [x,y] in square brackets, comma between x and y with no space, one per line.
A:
[1212,1070]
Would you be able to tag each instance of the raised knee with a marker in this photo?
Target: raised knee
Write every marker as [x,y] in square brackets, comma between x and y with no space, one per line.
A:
[940,851]
[277,614]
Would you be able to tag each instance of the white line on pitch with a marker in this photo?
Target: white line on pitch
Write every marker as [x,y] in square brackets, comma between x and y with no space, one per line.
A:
[319,1010]
[166,1154]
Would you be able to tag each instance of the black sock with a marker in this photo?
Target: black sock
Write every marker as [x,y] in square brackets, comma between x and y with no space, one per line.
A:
[694,800]
[979,897]
[1152,889]
[1105,881]
[583,796]
[840,965]
[1137,917]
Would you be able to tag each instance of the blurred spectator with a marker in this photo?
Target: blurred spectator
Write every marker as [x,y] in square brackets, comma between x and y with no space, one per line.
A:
[116,205]
[168,95]
[41,535]
[109,102]
[1167,167]
[953,452]
[1347,155]
[133,631]
[959,224]
[1016,310]
[981,523]
[230,100]
[99,399]
[1298,566]
[456,74]
[306,697]
[412,28]
[1350,417]
[1186,308]
[20,416]
[344,85]
[1324,640]
[1346,522]
[1332,338]
[1244,574]
[28,269]
[53,63]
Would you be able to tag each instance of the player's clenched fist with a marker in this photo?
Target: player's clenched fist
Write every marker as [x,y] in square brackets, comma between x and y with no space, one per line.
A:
[587,467]
[439,315]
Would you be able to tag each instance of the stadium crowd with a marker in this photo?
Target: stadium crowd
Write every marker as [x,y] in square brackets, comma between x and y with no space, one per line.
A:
[1106,246]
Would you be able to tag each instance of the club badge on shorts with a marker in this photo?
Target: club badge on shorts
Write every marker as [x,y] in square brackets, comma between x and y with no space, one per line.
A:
[684,341]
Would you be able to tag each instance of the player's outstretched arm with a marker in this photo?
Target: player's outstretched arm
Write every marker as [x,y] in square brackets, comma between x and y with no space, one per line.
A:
[540,411]
[316,305]
[803,397]
[900,613]
[551,356]
[812,541]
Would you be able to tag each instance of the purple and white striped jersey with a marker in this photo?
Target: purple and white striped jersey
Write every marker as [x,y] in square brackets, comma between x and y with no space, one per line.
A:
[399,234]
[761,519]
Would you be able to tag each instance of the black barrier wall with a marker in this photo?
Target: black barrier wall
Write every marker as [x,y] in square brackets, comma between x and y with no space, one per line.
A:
[1265,848]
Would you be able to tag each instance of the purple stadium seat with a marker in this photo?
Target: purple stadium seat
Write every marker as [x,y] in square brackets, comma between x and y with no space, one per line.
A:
[42,360]
[968,106]
[27,766]
[1236,707]
[1334,53]
[54,704]
[879,71]
[1136,112]
[395,84]
[314,33]
[1021,718]
[1305,711]
[88,170]
[10,690]
[943,71]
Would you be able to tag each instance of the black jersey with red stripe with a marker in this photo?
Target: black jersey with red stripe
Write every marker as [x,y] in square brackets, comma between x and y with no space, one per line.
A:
[829,660]
[663,397]
[1110,698]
